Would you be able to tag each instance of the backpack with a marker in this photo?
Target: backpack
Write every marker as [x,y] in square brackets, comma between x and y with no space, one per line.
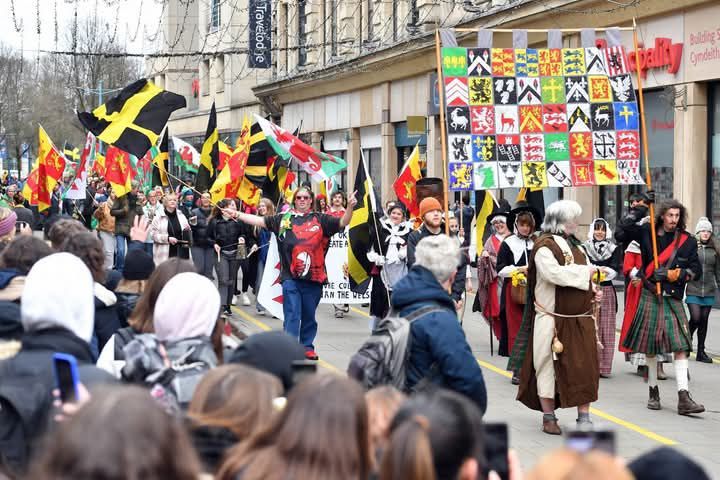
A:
[382,360]
[172,386]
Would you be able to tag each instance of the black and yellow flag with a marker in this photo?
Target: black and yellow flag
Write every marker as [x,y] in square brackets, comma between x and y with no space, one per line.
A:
[484,206]
[363,233]
[71,153]
[160,164]
[260,153]
[209,155]
[133,120]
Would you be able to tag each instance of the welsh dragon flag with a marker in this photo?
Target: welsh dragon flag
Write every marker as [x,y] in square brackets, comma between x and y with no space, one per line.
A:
[186,156]
[320,165]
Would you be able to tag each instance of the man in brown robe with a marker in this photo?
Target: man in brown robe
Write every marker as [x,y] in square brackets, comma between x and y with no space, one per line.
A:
[557,344]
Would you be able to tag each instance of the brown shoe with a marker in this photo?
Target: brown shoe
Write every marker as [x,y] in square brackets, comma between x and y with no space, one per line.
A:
[661,372]
[688,406]
[551,427]
[515,378]
[654,399]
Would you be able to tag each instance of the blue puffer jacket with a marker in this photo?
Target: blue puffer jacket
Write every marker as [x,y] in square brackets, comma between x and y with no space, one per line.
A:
[437,337]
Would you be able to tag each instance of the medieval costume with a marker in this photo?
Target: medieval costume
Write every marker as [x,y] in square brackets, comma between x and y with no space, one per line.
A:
[390,264]
[660,323]
[604,253]
[557,344]
[487,299]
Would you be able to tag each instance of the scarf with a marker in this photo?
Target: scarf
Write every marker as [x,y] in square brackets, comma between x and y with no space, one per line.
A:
[394,238]
[174,230]
[599,250]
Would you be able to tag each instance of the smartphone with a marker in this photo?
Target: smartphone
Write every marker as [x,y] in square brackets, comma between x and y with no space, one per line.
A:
[496,449]
[302,370]
[67,378]
[583,441]
[19,225]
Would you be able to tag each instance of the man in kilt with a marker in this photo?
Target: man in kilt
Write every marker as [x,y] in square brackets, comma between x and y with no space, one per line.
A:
[660,323]
[556,347]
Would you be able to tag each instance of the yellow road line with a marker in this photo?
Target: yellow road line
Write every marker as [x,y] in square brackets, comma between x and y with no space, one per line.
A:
[599,413]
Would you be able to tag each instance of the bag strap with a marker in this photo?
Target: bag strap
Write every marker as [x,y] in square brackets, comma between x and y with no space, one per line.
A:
[422,311]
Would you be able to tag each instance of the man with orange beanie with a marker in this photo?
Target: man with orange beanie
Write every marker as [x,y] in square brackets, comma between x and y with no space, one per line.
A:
[431,214]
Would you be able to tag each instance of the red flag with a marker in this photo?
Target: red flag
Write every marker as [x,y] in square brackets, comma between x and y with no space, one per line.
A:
[118,170]
[404,185]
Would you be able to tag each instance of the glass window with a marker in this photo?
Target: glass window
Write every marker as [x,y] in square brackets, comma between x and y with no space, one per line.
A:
[302,33]
[374,165]
[214,15]
[714,133]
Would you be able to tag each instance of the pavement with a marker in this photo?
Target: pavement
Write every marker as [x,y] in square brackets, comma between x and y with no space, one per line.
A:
[622,398]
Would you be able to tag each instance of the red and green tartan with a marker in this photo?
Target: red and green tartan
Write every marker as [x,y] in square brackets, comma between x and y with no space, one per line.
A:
[660,326]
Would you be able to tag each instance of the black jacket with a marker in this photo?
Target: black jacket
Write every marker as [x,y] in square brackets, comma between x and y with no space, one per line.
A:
[124,210]
[422,232]
[200,229]
[225,233]
[26,390]
[629,229]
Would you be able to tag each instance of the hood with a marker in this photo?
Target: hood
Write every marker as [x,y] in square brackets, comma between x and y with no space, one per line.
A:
[188,306]
[6,275]
[608,230]
[47,302]
[419,286]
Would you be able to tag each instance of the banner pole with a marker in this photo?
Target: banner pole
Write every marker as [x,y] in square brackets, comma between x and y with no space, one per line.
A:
[646,150]
[443,140]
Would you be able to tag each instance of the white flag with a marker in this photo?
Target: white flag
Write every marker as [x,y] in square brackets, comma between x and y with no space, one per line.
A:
[270,295]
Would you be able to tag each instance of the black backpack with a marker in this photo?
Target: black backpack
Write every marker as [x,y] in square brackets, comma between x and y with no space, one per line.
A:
[382,360]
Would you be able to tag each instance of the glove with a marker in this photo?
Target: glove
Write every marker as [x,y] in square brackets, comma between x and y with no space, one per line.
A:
[675,274]
[660,275]
[380,260]
[372,256]
[650,194]
[402,253]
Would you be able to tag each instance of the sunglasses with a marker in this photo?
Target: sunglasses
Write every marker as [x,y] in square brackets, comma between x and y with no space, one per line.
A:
[302,197]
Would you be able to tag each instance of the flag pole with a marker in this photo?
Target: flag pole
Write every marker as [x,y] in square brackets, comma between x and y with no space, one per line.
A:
[646,150]
[443,140]
[371,195]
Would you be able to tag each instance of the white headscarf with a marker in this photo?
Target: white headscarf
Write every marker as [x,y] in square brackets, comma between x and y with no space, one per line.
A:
[47,301]
[188,306]
[599,250]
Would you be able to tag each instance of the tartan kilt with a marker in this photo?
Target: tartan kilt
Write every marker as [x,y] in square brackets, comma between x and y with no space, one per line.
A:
[660,326]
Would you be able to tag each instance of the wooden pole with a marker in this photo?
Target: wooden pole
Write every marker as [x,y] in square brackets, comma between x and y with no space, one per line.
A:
[646,149]
[443,136]
[541,30]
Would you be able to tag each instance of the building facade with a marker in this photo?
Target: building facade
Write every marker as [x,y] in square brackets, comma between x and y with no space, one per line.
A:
[353,72]
[220,73]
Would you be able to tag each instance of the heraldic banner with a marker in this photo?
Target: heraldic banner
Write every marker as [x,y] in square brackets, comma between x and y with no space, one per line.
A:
[537,118]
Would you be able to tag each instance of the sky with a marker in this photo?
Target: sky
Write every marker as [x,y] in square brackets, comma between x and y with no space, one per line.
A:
[133,17]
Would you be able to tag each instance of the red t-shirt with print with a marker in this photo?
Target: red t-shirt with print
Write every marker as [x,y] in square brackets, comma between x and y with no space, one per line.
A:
[302,246]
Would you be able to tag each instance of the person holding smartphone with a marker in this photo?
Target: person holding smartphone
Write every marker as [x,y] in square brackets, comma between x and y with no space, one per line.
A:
[203,252]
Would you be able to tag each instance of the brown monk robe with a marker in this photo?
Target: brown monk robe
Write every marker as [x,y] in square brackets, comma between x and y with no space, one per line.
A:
[576,369]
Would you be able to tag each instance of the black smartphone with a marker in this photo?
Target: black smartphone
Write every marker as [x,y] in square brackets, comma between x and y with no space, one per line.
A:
[67,378]
[496,449]
[583,441]
[302,369]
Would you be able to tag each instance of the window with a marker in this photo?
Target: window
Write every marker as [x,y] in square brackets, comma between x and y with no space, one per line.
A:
[205,77]
[214,23]
[219,74]
[302,33]
[286,37]
[374,165]
[414,14]
[394,21]
[714,154]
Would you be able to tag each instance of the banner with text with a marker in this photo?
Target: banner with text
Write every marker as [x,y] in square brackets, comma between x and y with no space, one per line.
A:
[259,53]
[337,290]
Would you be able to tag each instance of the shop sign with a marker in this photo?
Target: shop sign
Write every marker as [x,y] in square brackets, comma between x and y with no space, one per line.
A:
[664,54]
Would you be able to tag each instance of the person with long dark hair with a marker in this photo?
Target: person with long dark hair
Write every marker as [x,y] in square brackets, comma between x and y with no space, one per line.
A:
[700,293]
[228,238]
[435,435]
[203,253]
[170,231]
[660,324]
[319,440]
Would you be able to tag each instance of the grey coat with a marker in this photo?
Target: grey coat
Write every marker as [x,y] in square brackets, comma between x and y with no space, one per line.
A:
[706,284]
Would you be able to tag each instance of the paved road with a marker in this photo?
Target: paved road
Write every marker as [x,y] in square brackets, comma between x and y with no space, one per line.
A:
[622,397]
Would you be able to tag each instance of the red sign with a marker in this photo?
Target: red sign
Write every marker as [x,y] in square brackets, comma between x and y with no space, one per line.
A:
[663,54]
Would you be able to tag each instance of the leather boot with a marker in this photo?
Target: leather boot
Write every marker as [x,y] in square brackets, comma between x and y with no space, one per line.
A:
[703,357]
[551,427]
[686,405]
[654,399]
[661,372]
[515,378]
